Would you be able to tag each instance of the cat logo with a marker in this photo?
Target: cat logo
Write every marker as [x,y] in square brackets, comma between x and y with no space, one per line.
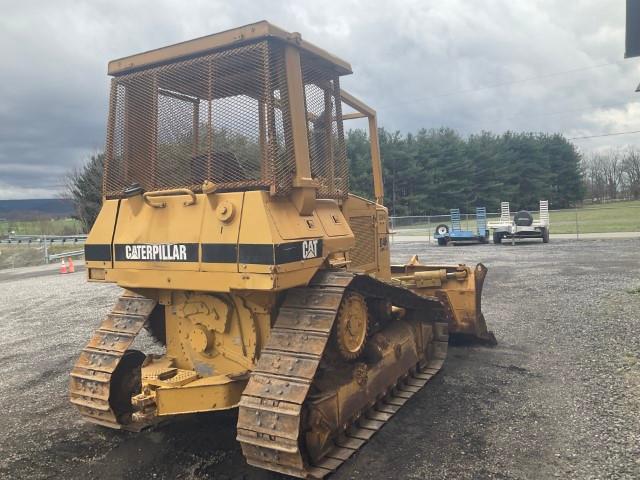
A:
[310,249]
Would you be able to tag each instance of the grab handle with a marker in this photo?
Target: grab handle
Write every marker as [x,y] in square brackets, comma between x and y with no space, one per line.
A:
[149,196]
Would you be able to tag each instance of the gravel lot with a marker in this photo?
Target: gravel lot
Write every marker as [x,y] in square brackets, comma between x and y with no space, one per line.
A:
[558,397]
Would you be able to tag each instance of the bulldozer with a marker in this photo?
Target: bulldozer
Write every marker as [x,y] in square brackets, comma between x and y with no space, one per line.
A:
[228,222]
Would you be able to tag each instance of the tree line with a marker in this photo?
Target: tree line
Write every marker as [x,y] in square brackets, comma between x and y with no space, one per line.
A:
[612,174]
[434,170]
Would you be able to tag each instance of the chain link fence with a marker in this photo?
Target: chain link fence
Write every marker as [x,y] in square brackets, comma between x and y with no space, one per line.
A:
[619,217]
[26,250]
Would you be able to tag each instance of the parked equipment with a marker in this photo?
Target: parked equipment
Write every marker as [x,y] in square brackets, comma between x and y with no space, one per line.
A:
[456,235]
[228,221]
[522,225]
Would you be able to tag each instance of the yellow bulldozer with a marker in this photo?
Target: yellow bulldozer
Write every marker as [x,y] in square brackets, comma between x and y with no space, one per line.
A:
[228,222]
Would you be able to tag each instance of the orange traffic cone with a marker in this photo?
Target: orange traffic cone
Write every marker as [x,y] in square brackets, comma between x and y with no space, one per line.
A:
[63,267]
[71,267]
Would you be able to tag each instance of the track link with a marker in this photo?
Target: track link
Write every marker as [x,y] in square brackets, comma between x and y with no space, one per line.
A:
[90,384]
[270,413]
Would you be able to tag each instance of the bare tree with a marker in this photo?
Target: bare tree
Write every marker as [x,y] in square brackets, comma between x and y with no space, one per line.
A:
[84,187]
[613,173]
[594,173]
[631,169]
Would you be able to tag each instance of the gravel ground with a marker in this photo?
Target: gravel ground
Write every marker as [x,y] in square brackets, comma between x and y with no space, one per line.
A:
[558,397]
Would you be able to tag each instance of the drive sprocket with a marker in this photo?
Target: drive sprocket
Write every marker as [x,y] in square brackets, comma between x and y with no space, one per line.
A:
[352,326]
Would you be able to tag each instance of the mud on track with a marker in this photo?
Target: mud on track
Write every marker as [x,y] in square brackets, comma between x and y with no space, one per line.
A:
[558,397]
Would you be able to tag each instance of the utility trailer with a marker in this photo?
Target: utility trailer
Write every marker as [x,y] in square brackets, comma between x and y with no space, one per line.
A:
[522,225]
[456,235]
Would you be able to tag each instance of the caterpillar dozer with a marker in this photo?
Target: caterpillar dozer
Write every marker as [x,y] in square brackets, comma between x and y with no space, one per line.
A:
[228,223]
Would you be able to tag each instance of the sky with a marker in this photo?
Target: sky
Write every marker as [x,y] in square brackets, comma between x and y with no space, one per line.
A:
[497,65]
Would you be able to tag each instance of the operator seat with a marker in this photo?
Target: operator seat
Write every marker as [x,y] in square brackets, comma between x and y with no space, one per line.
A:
[225,168]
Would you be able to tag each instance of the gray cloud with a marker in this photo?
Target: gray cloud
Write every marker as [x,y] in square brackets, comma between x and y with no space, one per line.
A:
[420,63]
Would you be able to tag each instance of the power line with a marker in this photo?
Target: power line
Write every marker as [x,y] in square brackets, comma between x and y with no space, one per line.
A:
[592,108]
[605,135]
[564,112]
[501,84]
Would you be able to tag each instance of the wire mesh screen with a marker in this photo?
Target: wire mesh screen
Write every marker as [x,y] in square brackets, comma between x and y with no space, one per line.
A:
[363,253]
[324,124]
[221,118]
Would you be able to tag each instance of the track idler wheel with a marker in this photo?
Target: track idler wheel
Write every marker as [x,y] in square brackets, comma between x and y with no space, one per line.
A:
[125,383]
[352,326]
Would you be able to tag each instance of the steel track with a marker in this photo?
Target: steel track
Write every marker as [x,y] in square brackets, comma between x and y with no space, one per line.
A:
[272,405]
[90,384]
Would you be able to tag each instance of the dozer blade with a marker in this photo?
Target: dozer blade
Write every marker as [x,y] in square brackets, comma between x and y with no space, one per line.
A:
[459,289]
[467,320]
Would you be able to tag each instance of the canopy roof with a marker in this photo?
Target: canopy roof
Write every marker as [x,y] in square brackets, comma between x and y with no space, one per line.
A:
[221,41]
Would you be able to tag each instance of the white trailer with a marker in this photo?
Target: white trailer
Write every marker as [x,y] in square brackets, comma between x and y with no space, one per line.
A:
[522,225]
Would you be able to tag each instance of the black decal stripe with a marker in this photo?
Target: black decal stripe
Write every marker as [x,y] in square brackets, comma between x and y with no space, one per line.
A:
[257,254]
[219,253]
[288,252]
[97,252]
[260,254]
[247,253]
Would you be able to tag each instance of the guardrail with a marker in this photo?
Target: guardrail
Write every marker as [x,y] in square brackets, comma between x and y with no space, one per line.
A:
[56,256]
[43,239]
[43,242]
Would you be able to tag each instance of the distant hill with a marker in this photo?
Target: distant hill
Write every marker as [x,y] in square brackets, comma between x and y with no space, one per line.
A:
[35,209]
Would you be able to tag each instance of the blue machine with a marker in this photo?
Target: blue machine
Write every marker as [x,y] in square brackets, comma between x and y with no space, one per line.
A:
[455,234]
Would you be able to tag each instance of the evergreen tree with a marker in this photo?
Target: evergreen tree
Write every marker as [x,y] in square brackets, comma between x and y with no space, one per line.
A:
[424,174]
[435,170]
[566,185]
[487,173]
[359,157]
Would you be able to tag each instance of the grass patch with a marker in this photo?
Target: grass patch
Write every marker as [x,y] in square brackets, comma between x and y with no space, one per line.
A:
[634,290]
[53,226]
[612,217]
